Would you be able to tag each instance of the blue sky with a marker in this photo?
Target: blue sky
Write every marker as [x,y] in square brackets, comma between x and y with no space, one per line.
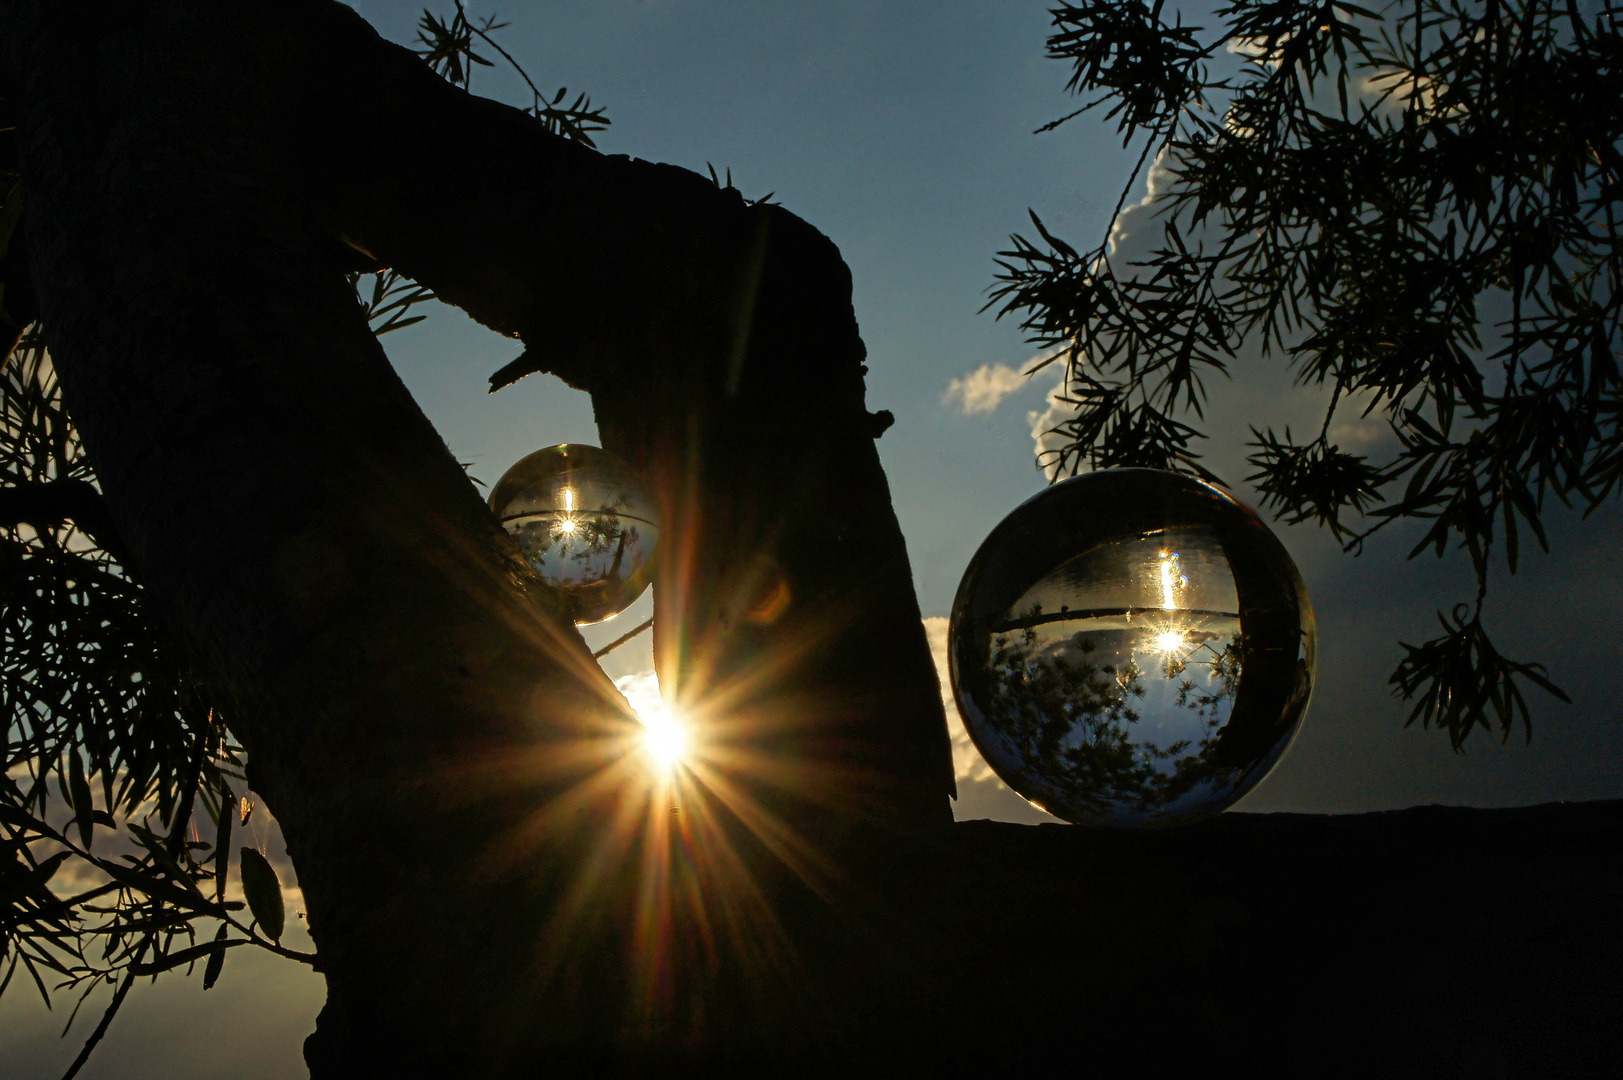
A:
[903,130]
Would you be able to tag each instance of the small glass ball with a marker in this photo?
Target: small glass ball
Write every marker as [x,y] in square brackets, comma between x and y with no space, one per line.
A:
[584,521]
[1132,647]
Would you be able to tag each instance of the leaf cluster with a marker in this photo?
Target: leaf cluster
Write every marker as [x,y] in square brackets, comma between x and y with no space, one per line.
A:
[122,784]
[113,752]
[1416,205]
[450,45]
[387,298]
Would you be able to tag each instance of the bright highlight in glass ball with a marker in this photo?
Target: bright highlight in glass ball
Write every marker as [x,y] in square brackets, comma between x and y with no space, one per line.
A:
[1132,647]
[584,521]
[1171,641]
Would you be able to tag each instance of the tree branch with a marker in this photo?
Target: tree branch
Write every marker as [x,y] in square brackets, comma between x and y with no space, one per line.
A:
[450,767]
[56,503]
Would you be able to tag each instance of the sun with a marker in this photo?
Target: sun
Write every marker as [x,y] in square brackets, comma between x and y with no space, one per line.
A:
[664,736]
[1169,641]
[566,522]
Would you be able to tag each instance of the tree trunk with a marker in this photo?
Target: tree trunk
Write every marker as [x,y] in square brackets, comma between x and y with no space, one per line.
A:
[487,865]
[496,885]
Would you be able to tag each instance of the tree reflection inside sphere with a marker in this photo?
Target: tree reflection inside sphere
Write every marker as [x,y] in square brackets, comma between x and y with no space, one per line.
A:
[1132,647]
[585,523]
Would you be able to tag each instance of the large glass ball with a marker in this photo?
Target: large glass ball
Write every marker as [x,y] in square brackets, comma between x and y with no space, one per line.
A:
[1132,647]
[585,522]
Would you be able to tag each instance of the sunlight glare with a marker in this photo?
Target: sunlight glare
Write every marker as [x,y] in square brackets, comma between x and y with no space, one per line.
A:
[1170,641]
[566,523]
[664,735]
[1172,579]
[665,739]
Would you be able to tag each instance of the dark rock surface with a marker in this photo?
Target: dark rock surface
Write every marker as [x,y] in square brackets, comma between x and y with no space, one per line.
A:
[1428,942]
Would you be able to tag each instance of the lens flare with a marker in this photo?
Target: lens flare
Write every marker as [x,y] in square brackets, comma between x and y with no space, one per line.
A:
[665,738]
[664,735]
[1172,580]
[1170,641]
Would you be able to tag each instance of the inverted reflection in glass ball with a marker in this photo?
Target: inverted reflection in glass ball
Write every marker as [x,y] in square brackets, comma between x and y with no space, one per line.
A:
[585,523]
[1132,647]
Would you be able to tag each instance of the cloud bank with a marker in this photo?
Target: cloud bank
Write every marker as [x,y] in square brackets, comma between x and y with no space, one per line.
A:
[967,764]
[1046,443]
[983,390]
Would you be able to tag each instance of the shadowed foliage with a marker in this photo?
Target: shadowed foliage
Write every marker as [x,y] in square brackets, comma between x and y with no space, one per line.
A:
[447,763]
[423,719]
[1415,204]
[115,753]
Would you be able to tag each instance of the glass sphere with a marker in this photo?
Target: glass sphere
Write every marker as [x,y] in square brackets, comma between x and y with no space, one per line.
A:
[1132,647]
[585,522]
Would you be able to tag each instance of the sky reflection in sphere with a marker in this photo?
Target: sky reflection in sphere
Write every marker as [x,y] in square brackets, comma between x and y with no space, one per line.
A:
[1132,647]
[584,521]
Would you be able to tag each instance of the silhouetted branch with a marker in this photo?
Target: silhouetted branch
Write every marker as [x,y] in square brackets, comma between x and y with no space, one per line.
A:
[56,503]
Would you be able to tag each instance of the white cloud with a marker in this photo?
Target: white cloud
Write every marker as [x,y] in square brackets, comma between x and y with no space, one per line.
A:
[983,390]
[1042,422]
[1132,237]
[1129,239]
[642,692]
[1356,429]
[967,764]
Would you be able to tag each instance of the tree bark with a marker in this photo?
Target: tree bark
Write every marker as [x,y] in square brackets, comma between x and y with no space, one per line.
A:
[495,885]
[486,864]
[721,350]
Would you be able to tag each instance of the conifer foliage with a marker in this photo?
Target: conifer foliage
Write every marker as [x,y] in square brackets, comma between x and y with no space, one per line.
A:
[1416,207]
[121,784]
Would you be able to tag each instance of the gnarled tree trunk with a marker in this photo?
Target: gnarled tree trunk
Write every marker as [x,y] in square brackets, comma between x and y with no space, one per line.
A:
[490,872]
[496,885]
